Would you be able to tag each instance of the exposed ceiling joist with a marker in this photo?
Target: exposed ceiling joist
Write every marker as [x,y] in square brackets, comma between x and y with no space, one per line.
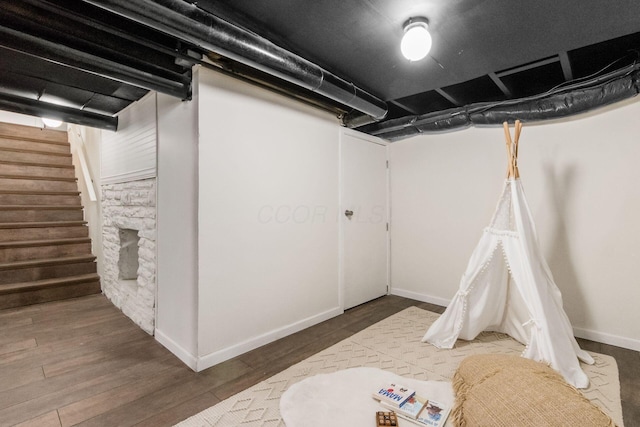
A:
[73,55]
[404,106]
[85,61]
[448,97]
[566,66]
[505,90]
[526,67]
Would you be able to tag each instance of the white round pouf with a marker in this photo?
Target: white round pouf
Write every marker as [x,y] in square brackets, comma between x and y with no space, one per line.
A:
[344,398]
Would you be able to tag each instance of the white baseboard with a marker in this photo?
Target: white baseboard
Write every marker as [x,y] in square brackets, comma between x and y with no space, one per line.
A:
[219,356]
[601,337]
[419,297]
[604,338]
[181,353]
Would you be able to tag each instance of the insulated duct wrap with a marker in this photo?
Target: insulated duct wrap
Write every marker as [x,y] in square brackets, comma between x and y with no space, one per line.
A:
[575,99]
[561,105]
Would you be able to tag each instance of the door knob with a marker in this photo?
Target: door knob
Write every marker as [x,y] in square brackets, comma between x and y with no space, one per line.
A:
[348,213]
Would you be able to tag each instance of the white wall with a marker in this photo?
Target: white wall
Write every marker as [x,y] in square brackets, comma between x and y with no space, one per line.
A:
[268,261]
[130,153]
[177,242]
[581,179]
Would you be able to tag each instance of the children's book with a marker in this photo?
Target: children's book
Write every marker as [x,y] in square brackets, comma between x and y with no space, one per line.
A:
[411,408]
[422,412]
[393,395]
[434,414]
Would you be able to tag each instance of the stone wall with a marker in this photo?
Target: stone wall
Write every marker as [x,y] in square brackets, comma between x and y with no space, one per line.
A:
[131,205]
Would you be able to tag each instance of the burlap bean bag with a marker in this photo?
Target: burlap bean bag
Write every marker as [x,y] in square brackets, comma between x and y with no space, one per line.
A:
[502,390]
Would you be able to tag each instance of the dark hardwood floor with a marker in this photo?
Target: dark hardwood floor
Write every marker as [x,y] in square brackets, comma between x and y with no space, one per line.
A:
[82,362]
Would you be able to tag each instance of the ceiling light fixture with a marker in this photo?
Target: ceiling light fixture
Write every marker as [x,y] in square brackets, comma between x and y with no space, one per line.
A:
[416,42]
[51,123]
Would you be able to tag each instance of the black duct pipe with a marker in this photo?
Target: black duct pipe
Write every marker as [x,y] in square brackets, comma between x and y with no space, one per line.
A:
[32,107]
[186,21]
[578,98]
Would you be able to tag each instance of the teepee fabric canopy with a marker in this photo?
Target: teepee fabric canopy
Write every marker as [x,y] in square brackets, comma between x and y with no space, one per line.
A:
[508,287]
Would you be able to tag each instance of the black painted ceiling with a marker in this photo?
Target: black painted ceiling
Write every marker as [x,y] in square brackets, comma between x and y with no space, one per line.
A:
[483,50]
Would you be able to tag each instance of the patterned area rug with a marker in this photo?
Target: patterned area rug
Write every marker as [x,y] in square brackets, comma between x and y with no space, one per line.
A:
[392,344]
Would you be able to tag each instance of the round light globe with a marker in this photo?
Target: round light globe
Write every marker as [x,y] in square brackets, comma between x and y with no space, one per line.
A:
[416,42]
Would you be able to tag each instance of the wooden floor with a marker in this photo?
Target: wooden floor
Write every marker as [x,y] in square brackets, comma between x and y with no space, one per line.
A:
[81,362]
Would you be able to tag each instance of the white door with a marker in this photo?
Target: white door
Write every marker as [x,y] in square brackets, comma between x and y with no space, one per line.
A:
[363,218]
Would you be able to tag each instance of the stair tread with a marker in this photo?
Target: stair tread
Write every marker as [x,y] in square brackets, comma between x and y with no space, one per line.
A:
[26,150]
[15,265]
[42,224]
[41,192]
[46,242]
[37,164]
[38,140]
[45,283]
[38,178]
[40,207]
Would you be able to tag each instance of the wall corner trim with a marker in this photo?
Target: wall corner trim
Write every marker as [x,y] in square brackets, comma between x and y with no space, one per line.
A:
[419,296]
[180,352]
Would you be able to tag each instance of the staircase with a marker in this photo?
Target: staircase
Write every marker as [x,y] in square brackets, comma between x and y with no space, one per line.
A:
[45,251]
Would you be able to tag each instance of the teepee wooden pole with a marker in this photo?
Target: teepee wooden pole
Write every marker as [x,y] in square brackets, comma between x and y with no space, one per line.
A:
[512,149]
[507,137]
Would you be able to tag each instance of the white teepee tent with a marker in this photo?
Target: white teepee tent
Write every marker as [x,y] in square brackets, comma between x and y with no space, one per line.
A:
[508,287]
